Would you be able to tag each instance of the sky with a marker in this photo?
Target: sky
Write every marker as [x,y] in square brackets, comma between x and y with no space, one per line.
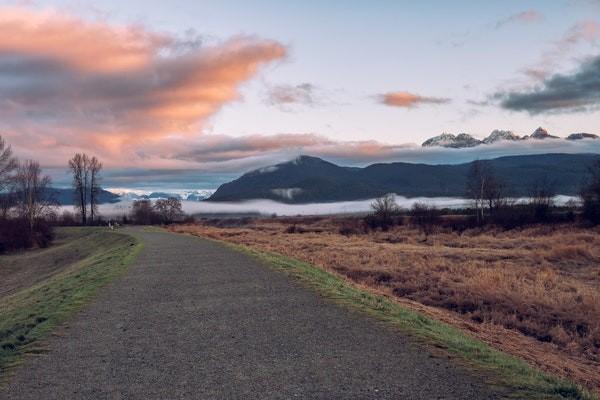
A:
[193,93]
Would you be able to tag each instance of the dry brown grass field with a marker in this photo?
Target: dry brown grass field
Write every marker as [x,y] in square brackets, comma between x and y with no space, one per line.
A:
[532,292]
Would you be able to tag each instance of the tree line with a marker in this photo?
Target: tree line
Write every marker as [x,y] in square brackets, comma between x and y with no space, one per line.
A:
[25,207]
[86,186]
[492,203]
[28,209]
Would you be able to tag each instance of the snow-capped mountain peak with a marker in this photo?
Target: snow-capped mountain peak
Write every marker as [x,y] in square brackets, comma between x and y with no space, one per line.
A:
[454,141]
[499,135]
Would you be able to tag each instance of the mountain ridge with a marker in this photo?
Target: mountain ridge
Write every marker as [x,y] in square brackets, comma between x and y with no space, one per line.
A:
[309,179]
[464,140]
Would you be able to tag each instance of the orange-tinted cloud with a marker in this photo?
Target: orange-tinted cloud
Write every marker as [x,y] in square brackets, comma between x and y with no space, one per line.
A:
[409,100]
[88,46]
[70,83]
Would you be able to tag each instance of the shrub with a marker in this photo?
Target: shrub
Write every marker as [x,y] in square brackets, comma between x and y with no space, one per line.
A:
[42,234]
[385,213]
[142,213]
[295,229]
[15,234]
[68,219]
[425,216]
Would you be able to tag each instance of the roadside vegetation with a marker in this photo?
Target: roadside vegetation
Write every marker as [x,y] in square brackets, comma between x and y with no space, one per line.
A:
[41,288]
[501,368]
[530,291]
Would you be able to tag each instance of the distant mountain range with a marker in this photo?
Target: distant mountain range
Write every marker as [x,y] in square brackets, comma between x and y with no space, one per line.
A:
[65,197]
[309,179]
[194,195]
[463,140]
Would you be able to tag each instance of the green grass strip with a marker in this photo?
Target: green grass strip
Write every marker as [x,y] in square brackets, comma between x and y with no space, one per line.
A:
[31,313]
[523,380]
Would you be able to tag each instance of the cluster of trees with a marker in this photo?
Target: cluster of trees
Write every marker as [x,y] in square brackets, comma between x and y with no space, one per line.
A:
[492,204]
[25,202]
[386,213]
[86,186]
[27,207]
[163,211]
[492,200]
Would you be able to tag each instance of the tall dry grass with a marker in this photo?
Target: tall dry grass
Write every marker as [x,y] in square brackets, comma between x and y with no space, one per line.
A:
[542,282]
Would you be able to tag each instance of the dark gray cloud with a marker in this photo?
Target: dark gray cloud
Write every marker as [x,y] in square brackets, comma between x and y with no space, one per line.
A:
[579,91]
[285,95]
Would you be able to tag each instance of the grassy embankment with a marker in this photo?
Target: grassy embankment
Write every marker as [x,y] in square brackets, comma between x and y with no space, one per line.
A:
[316,255]
[42,288]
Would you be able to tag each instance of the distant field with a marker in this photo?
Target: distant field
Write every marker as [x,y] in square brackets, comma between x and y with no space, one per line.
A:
[533,293]
[41,288]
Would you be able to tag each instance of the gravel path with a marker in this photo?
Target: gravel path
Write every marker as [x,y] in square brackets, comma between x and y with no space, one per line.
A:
[193,319]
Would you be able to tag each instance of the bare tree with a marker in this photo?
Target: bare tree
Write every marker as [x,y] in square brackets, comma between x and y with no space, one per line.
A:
[485,189]
[142,212]
[495,192]
[476,181]
[8,164]
[77,165]
[95,167]
[32,190]
[86,185]
[169,209]
[384,210]
[542,198]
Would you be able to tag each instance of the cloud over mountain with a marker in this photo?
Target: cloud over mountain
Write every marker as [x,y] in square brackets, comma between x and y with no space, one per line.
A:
[578,91]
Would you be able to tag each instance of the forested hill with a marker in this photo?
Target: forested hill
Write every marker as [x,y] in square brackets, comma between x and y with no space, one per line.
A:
[310,179]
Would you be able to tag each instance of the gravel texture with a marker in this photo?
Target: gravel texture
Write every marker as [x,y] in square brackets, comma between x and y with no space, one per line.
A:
[193,319]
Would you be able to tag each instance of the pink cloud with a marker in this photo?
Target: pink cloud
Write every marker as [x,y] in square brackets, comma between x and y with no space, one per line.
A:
[70,84]
[409,100]
[581,32]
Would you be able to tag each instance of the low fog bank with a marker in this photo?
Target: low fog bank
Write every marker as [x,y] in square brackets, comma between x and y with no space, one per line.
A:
[269,207]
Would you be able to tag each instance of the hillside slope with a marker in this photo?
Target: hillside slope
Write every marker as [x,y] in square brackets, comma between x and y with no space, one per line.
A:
[310,179]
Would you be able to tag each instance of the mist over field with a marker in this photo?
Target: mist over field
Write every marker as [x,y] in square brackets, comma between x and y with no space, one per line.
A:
[269,207]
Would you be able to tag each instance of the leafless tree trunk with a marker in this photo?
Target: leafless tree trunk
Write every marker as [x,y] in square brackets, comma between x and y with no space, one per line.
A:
[542,199]
[8,164]
[485,188]
[169,210]
[95,167]
[476,184]
[32,192]
[78,167]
